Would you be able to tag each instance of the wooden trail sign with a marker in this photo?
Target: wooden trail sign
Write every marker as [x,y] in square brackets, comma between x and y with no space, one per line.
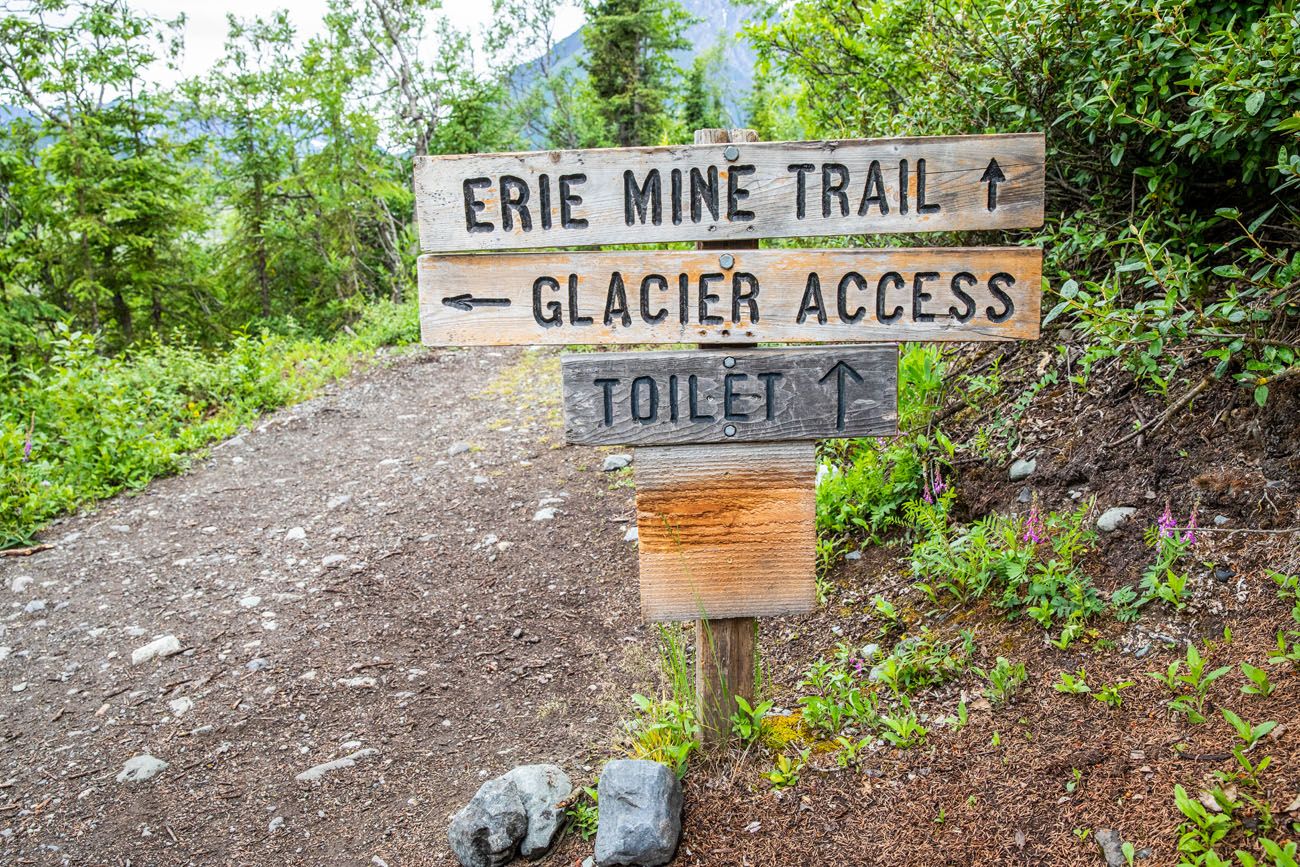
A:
[741,296]
[728,191]
[748,395]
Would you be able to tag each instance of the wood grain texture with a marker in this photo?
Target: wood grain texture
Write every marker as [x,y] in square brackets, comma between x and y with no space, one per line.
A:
[725,530]
[744,395]
[569,298]
[724,669]
[835,195]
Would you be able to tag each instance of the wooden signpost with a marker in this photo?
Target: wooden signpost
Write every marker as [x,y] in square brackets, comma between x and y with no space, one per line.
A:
[725,466]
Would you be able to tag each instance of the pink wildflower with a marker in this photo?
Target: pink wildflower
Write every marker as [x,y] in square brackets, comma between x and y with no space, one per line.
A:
[939,484]
[1190,535]
[1168,526]
[1034,529]
[859,665]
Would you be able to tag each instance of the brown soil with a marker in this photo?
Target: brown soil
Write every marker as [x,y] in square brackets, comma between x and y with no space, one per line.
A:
[430,616]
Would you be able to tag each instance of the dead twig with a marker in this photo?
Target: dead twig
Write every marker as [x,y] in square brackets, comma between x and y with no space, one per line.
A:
[25,552]
[1165,416]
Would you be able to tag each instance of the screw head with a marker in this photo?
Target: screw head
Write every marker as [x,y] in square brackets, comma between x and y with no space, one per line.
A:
[728,362]
[727,261]
[729,430]
[732,153]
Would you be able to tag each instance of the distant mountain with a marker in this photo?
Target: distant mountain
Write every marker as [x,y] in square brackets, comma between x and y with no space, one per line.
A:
[719,22]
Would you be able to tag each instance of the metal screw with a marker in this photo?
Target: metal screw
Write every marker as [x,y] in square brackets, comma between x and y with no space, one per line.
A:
[728,362]
[732,153]
[729,430]
[727,261]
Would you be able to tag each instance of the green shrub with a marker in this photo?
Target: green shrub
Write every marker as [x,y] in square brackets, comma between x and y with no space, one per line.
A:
[84,425]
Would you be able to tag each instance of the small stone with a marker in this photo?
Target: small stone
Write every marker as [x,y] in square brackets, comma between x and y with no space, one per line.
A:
[295,534]
[640,813]
[1142,651]
[338,500]
[5,652]
[1023,469]
[275,824]
[18,687]
[34,606]
[870,651]
[329,561]
[518,633]
[1025,495]
[547,514]
[853,555]
[1222,520]
[314,774]
[256,664]
[457,449]
[615,462]
[481,480]
[250,602]
[140,768]
[356,682]
[487,831]
[1111,519]
[181,706]
[168,645]
[1223,574]
[541,790]
[633,534]
[21,583]
[1112,847]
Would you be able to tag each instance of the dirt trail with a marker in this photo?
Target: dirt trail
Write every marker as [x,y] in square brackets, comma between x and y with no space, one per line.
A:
[396,623]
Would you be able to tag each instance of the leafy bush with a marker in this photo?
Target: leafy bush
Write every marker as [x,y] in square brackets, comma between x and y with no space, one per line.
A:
[85,426]
[1172,160]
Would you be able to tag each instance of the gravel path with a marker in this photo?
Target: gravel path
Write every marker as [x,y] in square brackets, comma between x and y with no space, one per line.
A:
[369,619]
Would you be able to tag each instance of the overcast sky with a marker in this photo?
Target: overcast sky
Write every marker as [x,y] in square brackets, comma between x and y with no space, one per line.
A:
[205,28]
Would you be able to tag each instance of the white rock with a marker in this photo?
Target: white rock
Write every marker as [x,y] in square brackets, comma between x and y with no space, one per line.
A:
[181,706]
[1022,469]
[250,601]
[34,606]
[4,653]
[21,583]
[295,534]
[140,768]
[547,514]
[1110,520]
[331,560]
[339,500]
[313,774]
[19,687]
[275,825]
[457,449]
[633,534]
[356,682]
[168,645]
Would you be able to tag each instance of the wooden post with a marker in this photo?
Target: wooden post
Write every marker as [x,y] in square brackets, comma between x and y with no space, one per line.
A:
[724,648]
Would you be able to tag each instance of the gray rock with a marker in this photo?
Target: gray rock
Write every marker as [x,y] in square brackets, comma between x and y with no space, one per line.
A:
[275,825]
[1111,845]
[1223,574]
[295,534]
[1222,520]
[313,774]
[1025,495]
[140,768]
[20,583]
[853,555]
[256,664]
[615,462]
[457,449]
[541,789]
[487,830]
[870,651]
[547,514]
[34,606]
[633,534]
[1022,469]
[640,814]
[1111,519]
[329,561]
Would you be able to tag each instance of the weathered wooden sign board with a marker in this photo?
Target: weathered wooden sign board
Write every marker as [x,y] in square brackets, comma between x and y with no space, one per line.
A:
[746,395]
[746,296]
[731,191]
[726,530]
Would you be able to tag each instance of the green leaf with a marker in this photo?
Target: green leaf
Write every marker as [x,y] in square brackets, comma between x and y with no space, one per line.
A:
[1254,102]
[1261,394]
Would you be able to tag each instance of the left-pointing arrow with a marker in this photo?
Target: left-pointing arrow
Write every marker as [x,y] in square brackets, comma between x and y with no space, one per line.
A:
[468,302]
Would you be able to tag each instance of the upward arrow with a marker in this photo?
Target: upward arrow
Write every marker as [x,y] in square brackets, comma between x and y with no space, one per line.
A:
[993,176]
[842,369]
